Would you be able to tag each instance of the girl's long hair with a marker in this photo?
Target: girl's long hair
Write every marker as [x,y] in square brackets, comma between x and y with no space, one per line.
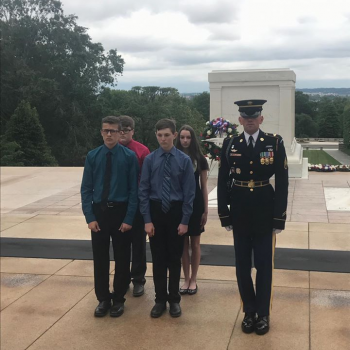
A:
[194,150]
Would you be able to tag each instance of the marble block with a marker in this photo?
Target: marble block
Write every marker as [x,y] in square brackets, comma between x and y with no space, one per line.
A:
[277,86]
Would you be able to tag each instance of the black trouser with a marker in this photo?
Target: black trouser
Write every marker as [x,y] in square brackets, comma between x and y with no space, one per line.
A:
[110,221]
[138,246]
[263,247]
[166,247]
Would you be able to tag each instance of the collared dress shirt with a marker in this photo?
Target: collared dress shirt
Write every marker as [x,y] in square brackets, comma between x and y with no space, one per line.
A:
[123,187]
[255,136]
[183,184]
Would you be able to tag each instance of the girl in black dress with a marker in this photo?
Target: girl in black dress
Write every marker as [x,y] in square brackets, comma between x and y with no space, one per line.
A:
[187,142]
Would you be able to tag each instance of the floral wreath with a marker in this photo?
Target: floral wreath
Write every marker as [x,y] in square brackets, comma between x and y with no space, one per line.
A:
[216,128]
[328,168]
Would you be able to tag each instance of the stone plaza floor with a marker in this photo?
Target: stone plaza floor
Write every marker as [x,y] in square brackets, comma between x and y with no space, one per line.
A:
[49,303]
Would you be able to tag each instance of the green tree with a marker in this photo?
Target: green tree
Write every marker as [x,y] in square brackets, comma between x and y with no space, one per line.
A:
[329,127]
[201,103]
[147,105]
[24,130]
[346,126]
[303,105]
[50,61]
[11,154]
[305,126]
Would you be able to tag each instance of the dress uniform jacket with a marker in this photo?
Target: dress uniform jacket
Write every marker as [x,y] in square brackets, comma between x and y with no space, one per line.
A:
[243,183]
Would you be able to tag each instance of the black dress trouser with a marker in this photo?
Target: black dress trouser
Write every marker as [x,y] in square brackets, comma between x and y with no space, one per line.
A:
[263,247]
[166,247]
[138,249]
[110,221]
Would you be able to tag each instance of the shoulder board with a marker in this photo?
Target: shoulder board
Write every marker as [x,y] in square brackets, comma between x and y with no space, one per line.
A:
[274,135]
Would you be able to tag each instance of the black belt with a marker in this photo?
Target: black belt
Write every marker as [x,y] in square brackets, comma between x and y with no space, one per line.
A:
[251,183]
[172,203]
[110,204]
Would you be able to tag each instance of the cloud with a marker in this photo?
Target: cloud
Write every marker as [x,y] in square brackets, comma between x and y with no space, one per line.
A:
[197,11]
[222,11]
[181,41]
[307,19]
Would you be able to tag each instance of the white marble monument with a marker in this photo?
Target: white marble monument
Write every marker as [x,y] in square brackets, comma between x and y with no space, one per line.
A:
[277,86]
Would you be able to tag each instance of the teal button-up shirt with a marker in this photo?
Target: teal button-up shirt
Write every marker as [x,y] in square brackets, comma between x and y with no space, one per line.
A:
[124,180]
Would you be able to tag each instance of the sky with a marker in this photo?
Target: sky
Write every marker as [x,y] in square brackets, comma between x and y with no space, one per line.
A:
[176,43]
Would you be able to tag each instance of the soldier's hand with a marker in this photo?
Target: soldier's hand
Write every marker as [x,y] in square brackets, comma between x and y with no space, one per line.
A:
[125,227]
[229,228]
[149,228]
[277,231]
[182,229]
[93,226]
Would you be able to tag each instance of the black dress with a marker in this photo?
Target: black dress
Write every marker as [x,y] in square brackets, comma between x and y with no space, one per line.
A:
[194,226]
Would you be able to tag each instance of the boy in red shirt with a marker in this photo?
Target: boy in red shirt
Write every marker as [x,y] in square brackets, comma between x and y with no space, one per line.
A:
[138,236]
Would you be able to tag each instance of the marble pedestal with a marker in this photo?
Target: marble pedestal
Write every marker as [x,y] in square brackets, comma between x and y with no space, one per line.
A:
[277,86]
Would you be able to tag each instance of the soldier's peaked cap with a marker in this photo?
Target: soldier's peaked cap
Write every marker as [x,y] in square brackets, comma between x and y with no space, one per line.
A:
[250,108]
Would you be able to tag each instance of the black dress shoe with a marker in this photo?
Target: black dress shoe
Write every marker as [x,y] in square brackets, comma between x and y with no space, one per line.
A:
[138,290]
[158,310]
[248,323]
[262,325]
[102,308]
[175,310]
[117,309]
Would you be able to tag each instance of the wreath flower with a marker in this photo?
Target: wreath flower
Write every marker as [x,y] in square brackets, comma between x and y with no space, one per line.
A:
[328,168]
[216,128]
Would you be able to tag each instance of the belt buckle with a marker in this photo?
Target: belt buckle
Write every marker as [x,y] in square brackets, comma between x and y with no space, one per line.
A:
[251,184]
[109,204]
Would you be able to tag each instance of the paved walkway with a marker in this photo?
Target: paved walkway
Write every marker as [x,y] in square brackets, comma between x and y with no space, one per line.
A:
[339,156]
[49,303]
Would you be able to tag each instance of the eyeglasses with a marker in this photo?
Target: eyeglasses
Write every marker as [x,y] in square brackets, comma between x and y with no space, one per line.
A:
[125,131]
[111,131]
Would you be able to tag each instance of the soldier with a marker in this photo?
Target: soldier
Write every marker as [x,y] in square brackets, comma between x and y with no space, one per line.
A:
[257,211]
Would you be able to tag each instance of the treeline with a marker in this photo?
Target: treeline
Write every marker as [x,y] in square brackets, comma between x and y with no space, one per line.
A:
[56,85]
[318,92]
[54,91]
[327,117]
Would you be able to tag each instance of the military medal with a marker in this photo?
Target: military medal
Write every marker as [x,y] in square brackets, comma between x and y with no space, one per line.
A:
[271,160]
[238,171]
[267,161]
[262,160]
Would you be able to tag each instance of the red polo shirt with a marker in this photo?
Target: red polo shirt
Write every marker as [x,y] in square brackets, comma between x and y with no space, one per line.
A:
[141,151]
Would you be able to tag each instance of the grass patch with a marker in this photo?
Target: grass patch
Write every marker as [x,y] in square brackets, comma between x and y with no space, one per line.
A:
[320,157]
